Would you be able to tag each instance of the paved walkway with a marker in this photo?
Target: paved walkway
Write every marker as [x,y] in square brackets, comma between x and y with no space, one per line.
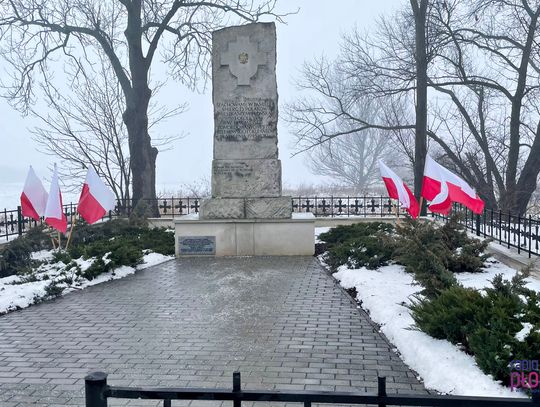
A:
[283,322]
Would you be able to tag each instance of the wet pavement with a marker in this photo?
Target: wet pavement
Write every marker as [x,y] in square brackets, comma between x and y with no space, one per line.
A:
[283,322]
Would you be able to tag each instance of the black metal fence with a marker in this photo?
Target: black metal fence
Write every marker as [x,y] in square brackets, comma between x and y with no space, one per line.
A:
[13,224]
[512,231]
[364,206]
[97,393]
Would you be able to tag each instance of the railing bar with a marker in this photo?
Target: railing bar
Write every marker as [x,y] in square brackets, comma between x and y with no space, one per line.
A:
[313,397]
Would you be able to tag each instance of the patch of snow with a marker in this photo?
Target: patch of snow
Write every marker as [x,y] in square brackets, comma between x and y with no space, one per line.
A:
[385,294]
[42,255]
[151,259]
[13,297]
[521,335]
[191,216]
[494,267]
[320,230]
[303,215]
[117,273]
[22,295]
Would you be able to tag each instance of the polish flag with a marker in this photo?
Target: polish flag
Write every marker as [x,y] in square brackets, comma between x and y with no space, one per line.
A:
[397,189]
[33,197]
[54,214]
[442,187]
[96,198]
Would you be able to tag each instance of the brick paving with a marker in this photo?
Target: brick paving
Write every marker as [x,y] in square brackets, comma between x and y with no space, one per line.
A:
[283,322]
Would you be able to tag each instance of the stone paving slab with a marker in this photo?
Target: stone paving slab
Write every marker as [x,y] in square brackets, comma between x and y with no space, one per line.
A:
[282,321]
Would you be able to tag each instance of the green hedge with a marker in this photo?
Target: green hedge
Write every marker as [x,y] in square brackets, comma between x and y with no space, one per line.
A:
[485,324]
[114,243]
[432,252]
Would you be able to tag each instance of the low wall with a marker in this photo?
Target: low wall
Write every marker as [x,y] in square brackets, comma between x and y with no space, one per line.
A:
[509,257]
[319,222]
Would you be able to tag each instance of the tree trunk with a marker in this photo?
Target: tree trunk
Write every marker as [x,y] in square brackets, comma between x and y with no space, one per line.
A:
[142,154]
[512,199]
[420,150]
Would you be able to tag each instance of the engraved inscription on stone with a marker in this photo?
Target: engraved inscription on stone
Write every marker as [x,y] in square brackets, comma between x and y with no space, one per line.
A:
[246,178]
[245,119]
[246,171]
[230,170]
[243,59]
[197,245]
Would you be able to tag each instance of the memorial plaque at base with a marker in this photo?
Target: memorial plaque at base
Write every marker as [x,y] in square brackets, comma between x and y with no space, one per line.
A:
[197,245]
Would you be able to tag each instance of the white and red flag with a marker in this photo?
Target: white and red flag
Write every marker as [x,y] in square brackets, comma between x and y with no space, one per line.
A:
[33,197]
[442,187]
[96,198]
[397,189]
[54,214]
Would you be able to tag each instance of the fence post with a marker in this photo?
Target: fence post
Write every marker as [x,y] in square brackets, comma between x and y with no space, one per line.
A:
[20,221]
[536,398]
[95,385]
[478,225]
[509,228]
[237,388]
[530,235]
[381,382]
[519,234]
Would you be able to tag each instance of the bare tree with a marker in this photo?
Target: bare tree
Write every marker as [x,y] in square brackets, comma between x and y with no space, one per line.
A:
[490,74]
[83,127]
[351,160]
[422,59]
[472,70]
[325,124]
[129,33]
[389,69]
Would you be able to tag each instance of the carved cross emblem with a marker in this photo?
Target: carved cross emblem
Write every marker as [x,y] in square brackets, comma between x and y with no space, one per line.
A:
[243,58]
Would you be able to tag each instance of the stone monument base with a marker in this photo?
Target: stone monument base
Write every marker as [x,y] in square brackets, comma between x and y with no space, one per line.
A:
[246,208]
[245,237]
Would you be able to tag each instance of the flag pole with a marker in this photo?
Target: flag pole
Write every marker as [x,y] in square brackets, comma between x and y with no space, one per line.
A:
[59,241]
[73,223]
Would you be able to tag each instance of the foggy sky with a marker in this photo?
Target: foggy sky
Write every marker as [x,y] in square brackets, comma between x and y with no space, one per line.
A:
[315,30]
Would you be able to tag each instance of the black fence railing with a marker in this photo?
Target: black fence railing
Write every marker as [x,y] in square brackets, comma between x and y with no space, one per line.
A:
[364,206]
[97,393]
[13,224]
[513,231]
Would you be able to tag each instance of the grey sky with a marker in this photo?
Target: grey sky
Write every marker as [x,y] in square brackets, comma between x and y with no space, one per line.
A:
[315,30]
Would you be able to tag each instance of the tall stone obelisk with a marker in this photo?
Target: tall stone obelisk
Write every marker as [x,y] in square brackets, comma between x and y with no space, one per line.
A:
[246,171]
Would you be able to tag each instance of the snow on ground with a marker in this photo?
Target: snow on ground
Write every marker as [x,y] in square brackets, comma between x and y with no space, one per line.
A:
[385,294]
[42,255]
[303,215]
[22,295]
[320,230]
[481,280]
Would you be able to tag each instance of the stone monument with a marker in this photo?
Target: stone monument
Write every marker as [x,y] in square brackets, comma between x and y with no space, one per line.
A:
[247,214]
[246,171]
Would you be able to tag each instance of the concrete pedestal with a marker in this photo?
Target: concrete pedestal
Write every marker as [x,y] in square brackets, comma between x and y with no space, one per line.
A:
[245,237]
